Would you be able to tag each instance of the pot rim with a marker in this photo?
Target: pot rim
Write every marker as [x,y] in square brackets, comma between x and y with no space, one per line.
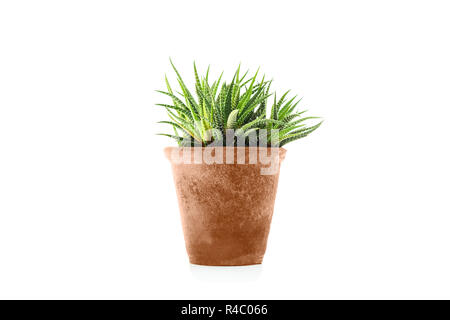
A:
[280,150]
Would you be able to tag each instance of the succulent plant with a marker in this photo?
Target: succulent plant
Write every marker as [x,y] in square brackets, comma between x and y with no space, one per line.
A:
[233,114]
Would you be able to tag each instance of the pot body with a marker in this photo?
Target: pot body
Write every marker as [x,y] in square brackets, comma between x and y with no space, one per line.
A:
[226,208]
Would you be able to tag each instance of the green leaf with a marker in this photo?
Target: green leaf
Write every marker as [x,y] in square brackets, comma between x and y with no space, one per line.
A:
[231,122]
[227,107]
[180,111]
[178,139]
[299,134]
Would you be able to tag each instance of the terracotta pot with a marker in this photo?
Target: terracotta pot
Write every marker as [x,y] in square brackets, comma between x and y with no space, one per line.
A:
[226,209]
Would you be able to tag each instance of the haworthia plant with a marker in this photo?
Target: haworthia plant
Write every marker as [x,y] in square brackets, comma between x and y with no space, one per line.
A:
[241,105]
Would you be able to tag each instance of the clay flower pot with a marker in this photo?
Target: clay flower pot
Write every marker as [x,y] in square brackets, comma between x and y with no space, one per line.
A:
[226,208]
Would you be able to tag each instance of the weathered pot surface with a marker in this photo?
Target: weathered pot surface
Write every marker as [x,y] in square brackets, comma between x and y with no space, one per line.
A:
[226,208]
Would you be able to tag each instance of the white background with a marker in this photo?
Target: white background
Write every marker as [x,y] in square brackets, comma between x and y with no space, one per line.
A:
[87,203]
